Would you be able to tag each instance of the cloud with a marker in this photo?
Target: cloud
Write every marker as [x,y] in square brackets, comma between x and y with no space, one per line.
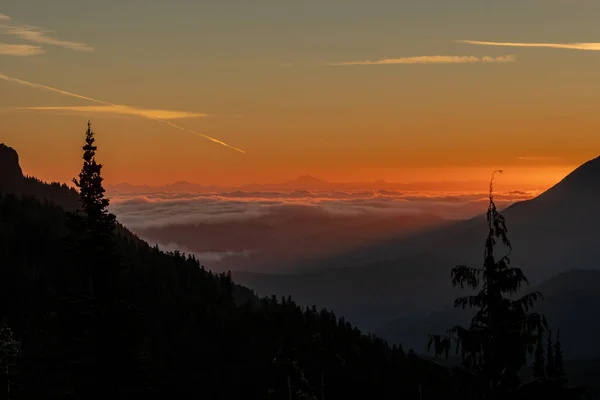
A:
[38,35]
[537,158]
[205,256]
[124,110]
[20,50]
[434,60]
[163,209]
[571,46]
[105,103]
[262,230]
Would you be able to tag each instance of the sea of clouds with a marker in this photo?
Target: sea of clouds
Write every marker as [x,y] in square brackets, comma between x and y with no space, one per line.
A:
[164,209]
[261,231]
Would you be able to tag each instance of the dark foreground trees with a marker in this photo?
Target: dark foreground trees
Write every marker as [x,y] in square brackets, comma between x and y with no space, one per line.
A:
[504,330]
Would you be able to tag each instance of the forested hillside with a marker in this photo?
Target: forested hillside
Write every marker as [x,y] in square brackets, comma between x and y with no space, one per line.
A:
[174,329]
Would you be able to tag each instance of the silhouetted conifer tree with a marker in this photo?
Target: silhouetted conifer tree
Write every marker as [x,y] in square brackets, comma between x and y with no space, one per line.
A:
[550,370]
[539,366]
[502,332]
[95,206]
[559,371]
[93,225]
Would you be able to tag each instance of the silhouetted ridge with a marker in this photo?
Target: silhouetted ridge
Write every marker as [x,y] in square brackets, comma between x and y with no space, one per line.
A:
[11,175]
[575,280]
[13,181]
[583,182]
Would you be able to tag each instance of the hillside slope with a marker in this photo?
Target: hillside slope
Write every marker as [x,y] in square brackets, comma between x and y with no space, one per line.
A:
[183,333]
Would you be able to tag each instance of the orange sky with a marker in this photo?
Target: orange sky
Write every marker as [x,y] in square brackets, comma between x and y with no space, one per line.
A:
[426,107]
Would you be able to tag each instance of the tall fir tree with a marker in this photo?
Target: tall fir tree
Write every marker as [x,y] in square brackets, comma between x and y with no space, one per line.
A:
[98,221]
[93,225]
[502,332]
[539,365]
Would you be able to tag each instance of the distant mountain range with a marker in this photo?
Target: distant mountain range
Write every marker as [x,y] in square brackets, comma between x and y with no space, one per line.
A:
[304,182]
[410,277]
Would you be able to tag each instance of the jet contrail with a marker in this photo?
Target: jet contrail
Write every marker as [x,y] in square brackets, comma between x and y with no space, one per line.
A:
[106,103]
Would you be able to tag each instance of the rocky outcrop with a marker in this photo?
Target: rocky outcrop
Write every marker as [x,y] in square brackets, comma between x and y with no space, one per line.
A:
[11,175]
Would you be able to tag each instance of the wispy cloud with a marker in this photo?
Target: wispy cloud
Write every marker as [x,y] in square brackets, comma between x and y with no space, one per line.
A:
[538,158]
[20,50]
[38,35]
[105,103]
[433,60]
[123,110]
[571,46]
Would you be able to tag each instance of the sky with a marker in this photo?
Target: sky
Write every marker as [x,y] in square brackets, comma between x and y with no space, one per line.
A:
[232,92]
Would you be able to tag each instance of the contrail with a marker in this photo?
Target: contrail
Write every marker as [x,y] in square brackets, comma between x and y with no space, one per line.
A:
[38,86]
[106,103]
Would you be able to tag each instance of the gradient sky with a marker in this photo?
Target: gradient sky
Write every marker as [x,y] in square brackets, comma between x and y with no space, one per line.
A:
[288,83]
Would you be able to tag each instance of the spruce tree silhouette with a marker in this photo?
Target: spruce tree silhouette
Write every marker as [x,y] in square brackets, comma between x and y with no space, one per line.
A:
[559,370]
[98,222]
[93,225]
[539,367]
[503,331]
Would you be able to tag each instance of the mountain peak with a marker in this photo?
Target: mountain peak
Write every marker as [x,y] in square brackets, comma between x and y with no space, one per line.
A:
[11,174]
[307,178]
[583,182]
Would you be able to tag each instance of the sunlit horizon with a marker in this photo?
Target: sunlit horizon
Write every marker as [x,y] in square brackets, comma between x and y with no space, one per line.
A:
[270,99]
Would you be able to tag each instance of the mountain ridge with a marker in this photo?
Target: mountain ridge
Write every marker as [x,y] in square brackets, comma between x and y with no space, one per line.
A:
[10,169]
[303,182]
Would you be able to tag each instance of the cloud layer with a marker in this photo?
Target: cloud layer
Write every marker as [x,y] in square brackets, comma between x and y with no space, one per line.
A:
[434,60]
[20,50]
[38,35]
[123,110]
[570,46]
[256,230]
[162,209]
